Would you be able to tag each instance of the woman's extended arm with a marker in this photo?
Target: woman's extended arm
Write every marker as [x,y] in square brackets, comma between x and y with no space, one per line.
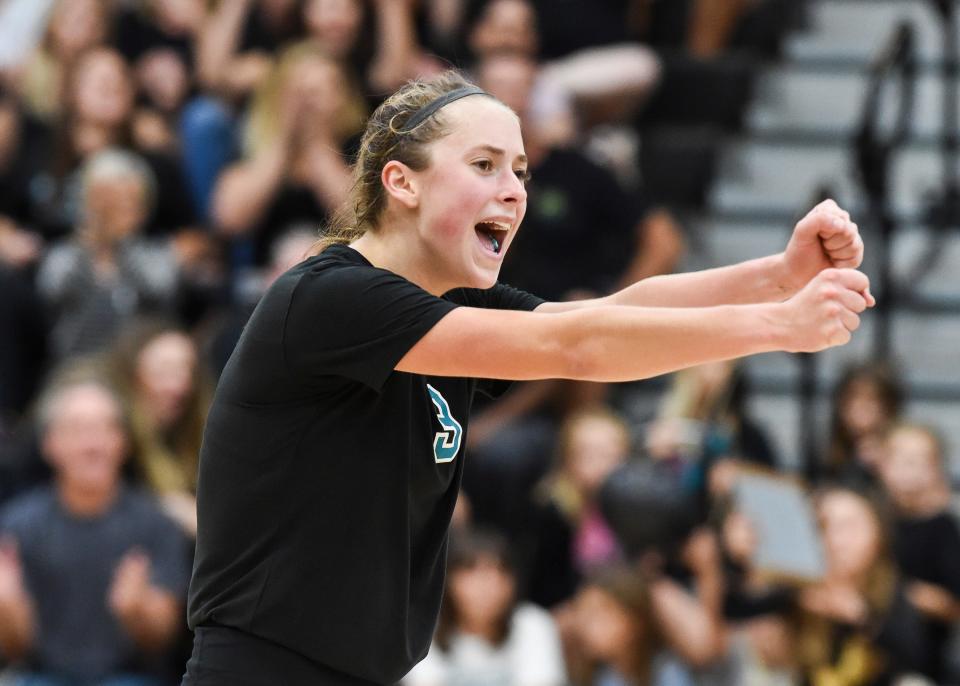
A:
[617,343]
[825,238]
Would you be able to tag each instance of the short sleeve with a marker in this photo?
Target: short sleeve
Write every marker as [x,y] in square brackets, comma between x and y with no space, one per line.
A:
[500,297]
[356,321]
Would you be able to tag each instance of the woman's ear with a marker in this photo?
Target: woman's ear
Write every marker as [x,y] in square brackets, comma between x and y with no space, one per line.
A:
[399,182]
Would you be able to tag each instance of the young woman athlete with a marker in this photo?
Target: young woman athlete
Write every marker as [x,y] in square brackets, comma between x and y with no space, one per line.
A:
[334,447]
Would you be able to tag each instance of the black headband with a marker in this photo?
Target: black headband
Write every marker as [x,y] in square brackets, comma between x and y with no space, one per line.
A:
[431,107]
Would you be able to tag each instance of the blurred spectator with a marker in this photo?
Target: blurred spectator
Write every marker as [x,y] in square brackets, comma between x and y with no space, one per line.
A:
[150,25]
[484,636]
[107,271]
[866,402]
[755,605]
[600,80]
[927,538]
[237,42]
[157,38]
[704,427]
[302,125]
[164,386]
[747,592]
[343,27]
[74,27]
[856,627]
[373,40]
[572,204]
[623,630]
[99,113]
[707,29]
[569,536]
[93,574]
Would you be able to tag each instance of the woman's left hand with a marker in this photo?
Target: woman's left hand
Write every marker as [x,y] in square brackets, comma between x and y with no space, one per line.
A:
[825,238]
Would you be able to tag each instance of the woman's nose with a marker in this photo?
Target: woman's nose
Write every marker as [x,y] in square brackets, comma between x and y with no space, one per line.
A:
[514,190]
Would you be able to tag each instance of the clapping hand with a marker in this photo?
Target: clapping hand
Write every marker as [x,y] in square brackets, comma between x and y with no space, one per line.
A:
[131,584]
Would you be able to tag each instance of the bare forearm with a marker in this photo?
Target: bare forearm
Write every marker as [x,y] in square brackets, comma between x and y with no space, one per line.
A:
[396,45]
[622,344]
[16,628]
[687,625]
[331,177]
[218,41]
[755,281]
[244,192]
[660,245]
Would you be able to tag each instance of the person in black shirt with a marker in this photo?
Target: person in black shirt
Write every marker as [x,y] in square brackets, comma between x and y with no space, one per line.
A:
[926,542]
[332,453]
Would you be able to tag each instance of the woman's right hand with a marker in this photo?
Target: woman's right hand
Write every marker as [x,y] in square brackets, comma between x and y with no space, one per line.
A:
[826,311]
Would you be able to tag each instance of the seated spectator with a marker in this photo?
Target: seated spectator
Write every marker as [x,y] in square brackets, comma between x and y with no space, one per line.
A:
[485,637]
[159,373]
[709,29]
[748,593]
[856,627]
[374,40]
[755,605]
[605,77]
[237,43]
[704,425]
[582,233]
[302,125]
[569,536]
[142,28]
[74,27]
[158,39]
[93,574]
[107,272]
[98,113]
[926,536]
[613,635]
[866,402]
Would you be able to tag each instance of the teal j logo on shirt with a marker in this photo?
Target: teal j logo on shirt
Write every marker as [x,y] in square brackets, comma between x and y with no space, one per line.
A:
[446,443]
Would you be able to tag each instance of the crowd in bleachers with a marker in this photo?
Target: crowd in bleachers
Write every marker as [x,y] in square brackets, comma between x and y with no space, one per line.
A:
[163,161]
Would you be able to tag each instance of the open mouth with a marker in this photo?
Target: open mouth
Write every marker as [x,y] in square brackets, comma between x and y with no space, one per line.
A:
[492,234]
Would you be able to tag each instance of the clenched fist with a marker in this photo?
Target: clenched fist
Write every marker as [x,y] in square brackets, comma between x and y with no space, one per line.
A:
[827,311]
[826,238]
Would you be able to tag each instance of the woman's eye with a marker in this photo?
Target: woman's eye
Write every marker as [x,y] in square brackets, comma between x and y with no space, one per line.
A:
[484,165]
[523,175]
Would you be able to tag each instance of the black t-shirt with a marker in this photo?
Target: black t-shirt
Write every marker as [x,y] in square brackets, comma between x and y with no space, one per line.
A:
[327,479]
[928,549]
[135,35]
[567,26]
[579,232]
